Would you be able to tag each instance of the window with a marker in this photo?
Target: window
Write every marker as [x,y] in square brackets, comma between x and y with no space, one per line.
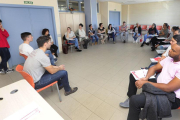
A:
[82,6]
[62,5]
[74,4]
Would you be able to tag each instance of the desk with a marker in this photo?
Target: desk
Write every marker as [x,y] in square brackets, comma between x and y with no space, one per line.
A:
[12,103]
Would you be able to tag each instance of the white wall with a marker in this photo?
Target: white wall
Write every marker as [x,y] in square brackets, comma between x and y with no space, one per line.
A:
[104,11]
[52,3]
[157,12]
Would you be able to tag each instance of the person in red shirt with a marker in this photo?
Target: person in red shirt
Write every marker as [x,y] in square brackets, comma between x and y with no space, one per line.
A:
[4,50]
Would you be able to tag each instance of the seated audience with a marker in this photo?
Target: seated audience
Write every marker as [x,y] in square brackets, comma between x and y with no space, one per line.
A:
[53,48]
[102,33]
[39,67]
[111,33]
[124,32]
[81,34]
[137,32]
[151,31]
[93,35]
[168,81]
[26,49]
[70,36]
[163,33]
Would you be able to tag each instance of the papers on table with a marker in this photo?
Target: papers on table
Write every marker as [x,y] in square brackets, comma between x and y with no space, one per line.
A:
[152,35]
[160,51]
[165,46]
[27,113]
[161,38]
[138,74]
[155,60]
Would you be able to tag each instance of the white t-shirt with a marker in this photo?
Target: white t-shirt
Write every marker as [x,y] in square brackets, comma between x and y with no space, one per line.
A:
[166,54]
[51,38]
[25,49]
[82,33]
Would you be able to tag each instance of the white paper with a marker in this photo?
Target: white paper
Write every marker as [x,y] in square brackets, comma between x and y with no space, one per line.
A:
[153,60]
[152,35]
[160,51]
[26,113]
[161,38]
[165,46]
[138,74]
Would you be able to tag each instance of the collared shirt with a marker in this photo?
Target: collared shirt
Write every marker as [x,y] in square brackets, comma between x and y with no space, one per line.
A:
[169,71]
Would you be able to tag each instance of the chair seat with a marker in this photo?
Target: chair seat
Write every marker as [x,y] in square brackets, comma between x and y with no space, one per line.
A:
[41,89]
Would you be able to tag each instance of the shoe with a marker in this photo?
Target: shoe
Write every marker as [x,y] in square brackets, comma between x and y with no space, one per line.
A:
[2,71]
[71,91]
[114,42]
[136,41]
[9,71]
[142,44]
[125,104]
[152,48]
[78,50]
[147,44]
[124,41]
[95,43]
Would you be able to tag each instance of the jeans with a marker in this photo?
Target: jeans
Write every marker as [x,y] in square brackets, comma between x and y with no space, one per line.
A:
[5,56]
[75,41]
[51,57]
[111,35]
[132,87]
[145,37]
[60,76]
[135,37]
[156,41]
[138,101]
[54,49]
[124,37]
[94,38]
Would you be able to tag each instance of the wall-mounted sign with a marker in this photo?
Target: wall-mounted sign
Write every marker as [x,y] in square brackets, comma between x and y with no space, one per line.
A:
[28,2]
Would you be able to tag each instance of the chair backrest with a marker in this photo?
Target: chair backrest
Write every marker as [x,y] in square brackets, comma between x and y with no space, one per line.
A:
[25,75]
[132,27]
[25,57]
[150,26]
[144,27]
[159,27]
[169,27]
[119,28]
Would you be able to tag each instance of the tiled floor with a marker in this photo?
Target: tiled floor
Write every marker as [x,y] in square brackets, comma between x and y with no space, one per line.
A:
[102,75]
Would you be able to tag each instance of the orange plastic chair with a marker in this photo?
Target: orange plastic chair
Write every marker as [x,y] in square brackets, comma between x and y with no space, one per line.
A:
[144,27]
[25,57]
[131,27]
[150,26]
[30,80]
[119,28]
[159,27]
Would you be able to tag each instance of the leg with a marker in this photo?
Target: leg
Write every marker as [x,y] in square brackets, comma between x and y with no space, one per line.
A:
[5,55]
[93,39]
[136,103]
[76,43]
[122,35]
[113,36]
[50,56]
[126,33]
[47,78]
[97,38]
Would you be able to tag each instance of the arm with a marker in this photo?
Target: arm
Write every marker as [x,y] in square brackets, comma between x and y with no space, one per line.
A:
[53,69]
[5,33]
[77,33]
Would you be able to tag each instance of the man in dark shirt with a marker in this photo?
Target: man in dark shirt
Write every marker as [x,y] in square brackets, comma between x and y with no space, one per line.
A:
[101,32]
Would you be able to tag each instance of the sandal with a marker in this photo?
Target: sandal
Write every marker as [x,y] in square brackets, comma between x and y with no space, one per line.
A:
[71,91]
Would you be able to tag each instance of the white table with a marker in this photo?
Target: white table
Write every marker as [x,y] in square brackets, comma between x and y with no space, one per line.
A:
[25,95]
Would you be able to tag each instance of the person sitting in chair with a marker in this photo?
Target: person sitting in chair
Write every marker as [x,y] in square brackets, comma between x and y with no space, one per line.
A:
[124,32]
[111,33]
[137,32]
[102,33]
[43,73]
[93,35]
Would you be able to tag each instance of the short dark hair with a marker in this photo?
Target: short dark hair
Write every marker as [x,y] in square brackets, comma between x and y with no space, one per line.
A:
[124,22]
[0,21]
[177,38]
[100,24]
[24,35]
[81,24]
[44,31]
[41,40]
[166,24]
[90,25]
[175,28]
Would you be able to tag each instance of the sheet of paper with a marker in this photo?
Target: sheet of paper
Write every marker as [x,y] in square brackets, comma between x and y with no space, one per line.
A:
[161,38]
[152,35]
[27,113]
[155,60]
[138,74]
[165,46]
[160,51]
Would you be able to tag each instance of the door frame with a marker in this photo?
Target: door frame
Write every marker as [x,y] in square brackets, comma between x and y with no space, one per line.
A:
[39,7]
[119,16]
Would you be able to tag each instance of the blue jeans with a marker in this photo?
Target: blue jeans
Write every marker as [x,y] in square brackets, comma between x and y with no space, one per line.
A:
[60,76]
[5,56]
[135,37]
[94,38]
[145,37]
[51,57]
[111,35]
[75,41]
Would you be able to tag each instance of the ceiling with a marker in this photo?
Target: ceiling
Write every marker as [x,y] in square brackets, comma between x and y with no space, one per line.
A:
[133,1]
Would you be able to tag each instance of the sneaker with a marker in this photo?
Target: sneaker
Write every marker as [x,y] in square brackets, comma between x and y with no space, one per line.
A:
[114,42]
[78,50]
[124,41]
[2,71]
[9,71]
[125,104]
[71,91]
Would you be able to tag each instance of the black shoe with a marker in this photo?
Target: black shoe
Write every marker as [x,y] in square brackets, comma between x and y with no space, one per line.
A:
[147,44]
[78,50]
[71,91]
[142,44]
[9,71]
[152,48]
[124,41]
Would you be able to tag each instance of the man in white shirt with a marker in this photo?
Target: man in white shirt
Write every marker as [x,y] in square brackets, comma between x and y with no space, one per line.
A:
[26,49]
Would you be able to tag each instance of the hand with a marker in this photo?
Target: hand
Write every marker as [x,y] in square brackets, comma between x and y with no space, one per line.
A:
[62,67]
[140,83]
[144,79]
[161,58]
[2,29]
